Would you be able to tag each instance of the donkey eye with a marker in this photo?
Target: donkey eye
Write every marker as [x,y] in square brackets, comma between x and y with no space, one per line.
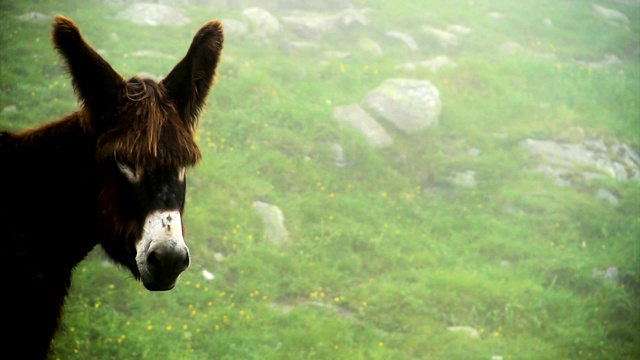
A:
[132,173]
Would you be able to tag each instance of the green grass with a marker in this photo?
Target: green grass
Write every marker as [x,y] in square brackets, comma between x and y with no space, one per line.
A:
[377,268]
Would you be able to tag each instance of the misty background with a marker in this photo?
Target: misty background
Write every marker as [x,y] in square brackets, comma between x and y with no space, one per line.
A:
[380,180]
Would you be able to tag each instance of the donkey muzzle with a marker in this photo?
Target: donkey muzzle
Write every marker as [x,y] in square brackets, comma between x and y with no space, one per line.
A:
[161,252]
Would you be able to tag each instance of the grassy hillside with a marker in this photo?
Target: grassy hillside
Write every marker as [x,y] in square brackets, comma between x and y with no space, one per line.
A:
[387,252]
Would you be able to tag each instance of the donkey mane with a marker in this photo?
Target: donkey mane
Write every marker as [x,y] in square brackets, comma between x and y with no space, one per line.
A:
[149,131]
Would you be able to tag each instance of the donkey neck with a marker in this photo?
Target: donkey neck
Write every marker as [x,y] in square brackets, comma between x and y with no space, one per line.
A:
[56,163]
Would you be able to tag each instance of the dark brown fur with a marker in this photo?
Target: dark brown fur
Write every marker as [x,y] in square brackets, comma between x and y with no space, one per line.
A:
[61,190]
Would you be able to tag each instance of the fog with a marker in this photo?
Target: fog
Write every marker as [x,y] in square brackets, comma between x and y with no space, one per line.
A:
[379,180]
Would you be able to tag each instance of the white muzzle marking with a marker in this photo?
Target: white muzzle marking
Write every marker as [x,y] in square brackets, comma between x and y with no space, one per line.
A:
[161,252]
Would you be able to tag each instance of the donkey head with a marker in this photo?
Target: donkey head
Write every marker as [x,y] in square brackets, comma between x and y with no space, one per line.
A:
[144,140]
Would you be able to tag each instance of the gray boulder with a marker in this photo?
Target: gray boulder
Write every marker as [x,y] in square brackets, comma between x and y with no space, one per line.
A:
[312,25]
[235,28]
[295,47]
[263,23]
[627,2]
[353,115]
[405,38]
[9,109]
[411,105]
[443,37]
[323,5]
[354,16]
[587,160]
[512,48]
[466,330]
[610,14]
[336,54]
[465,179]
[607,61]
[338,155]
[149,14]
[458,29]
[607,196]
[435,64]
[273,220]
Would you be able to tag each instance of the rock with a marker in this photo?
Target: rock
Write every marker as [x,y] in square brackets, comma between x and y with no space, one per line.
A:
[405,38]
[311,25]
[324,5]
[356,117]
[458,29]
[609,60]
[465,179]
[219,5]
[444,38]
[263,23]
[207,275]
[411,105]
[273,220]
[610,276]
[10,108]
[369,46]
[218,257]
[238,5]
[559,175]
[408,66]
[293,47]
[589,159]
[607,196]
[154,15]
[338,152]
[34,17]
[471,332]
[629,158]
[235,28]
[511,48]
[435,64]
[610,14]
[353,15]
[627,2]
[475,152]
[336,54]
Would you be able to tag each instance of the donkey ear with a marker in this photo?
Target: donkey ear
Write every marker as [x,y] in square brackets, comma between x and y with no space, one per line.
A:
[189,82]
[94,80]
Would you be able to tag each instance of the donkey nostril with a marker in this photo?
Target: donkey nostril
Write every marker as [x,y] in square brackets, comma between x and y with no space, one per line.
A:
[153,260]
[170,261]
[185,262]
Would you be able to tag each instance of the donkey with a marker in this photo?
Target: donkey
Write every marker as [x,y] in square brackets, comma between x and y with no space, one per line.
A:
[110,173]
